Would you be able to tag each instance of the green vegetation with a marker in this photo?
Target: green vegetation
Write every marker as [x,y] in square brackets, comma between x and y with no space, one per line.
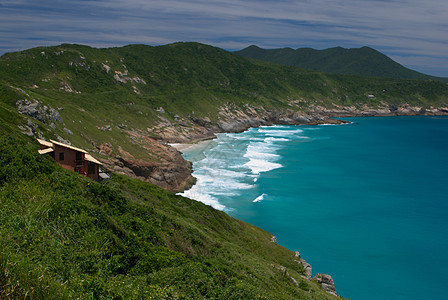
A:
[123,88]
[363,61]
[65,236]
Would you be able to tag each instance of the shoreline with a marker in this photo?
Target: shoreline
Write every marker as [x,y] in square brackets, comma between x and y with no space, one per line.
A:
[181,147]
[174,172]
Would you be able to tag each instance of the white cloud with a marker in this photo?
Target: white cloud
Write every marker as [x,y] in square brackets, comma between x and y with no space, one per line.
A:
[401,28]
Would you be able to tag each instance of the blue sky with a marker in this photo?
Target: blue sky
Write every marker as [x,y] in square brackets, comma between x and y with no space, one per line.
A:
[412,32]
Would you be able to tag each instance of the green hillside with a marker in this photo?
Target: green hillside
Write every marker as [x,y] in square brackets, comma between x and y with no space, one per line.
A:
[124,88]
[64,236]
[124,104]
[363,61]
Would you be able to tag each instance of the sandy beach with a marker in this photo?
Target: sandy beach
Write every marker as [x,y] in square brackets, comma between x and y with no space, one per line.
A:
[185,146]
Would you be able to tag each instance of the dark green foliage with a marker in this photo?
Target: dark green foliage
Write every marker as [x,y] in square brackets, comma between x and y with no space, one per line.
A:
[363,61]
[21,164]
[94,88]
[65,236]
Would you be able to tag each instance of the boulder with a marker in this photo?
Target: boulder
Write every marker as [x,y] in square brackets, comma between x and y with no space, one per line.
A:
[308,269]
[327,282]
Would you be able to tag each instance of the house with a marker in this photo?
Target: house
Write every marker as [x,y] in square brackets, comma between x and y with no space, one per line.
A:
[72,158]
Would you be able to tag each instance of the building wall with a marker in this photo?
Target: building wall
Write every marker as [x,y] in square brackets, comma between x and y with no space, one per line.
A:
[95,174]
[69,161]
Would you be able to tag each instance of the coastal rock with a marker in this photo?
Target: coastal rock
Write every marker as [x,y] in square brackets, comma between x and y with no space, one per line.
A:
[308,269]
[327,283]
[167,169]
[273,239]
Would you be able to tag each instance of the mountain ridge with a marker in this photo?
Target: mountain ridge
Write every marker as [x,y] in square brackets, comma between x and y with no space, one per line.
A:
[364,61]
[125,103]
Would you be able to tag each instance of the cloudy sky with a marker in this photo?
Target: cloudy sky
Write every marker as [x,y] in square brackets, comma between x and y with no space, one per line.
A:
[412,32]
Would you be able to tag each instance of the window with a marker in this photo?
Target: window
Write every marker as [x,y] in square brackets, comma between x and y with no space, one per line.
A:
[90,168]
[78,155]
[61,156]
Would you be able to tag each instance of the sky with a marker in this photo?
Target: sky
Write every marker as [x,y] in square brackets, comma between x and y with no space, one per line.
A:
[412,32]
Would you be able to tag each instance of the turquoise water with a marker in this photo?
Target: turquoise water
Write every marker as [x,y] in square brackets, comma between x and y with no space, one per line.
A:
[365,202]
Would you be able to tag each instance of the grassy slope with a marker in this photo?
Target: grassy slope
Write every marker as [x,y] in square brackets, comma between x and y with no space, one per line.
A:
[64,236]
[363,61]
[186,79]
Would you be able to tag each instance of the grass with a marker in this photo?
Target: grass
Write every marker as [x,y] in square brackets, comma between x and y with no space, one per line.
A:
[189,80]
[65,236]
[363,61]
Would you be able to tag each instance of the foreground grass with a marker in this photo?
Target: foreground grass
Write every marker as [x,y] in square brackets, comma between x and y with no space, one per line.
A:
[65,236]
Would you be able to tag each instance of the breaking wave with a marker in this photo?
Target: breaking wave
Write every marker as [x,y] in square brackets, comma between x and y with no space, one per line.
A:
[260,198]
[230,167]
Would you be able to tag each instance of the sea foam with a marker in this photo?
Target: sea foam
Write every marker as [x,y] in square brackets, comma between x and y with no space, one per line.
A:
[230,166]
[259,198]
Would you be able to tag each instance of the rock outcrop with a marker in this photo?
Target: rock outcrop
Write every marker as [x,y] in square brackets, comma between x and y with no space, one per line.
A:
[164,165]
[174,173]
[323,279]
[327,282]
[173,176]
[383,109]
[307,267]
[233,119]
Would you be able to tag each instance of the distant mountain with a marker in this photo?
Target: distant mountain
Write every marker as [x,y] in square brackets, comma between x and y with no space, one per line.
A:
[64,236]
[363,61]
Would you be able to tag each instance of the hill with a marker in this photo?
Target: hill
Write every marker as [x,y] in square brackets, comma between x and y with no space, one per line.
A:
[65,236]
[125,104]
[363,61]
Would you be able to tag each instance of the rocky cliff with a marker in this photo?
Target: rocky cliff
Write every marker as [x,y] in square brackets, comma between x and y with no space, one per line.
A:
[164,166]
[175,173]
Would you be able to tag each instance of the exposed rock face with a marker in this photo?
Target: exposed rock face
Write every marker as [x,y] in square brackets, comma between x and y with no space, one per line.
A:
[168,170]
[237,119]
[327,282]
[174,176]
[37,111]
[165,166]
[233,119]
[383,110]
[306,266]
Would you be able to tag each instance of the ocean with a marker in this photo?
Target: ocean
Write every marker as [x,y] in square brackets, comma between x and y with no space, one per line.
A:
[365,202]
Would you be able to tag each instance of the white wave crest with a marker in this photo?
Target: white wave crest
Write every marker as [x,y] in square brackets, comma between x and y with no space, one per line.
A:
[259,198]
[258,165]
[272,139]
[280,133]
[197,195]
